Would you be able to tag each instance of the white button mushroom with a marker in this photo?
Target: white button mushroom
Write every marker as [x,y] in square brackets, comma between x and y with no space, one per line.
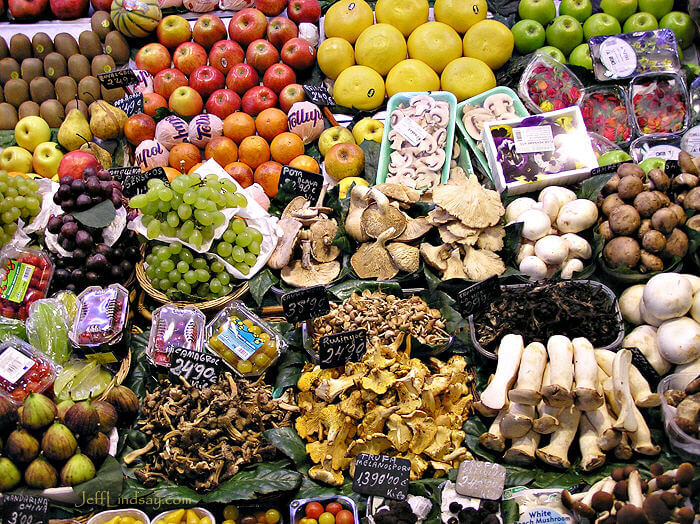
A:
[517,207]
[570,267]
[679,340]
[534,268]
[629,304]
[668,295]
[536,224]
[552,250]
[551,206]
[562,194]
[694,281]
[526,250]
[578,247]
[695,308]
[644,338]
[647,317]
[577,216]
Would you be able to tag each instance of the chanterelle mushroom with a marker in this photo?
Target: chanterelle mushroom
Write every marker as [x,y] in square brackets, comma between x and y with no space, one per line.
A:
[322,235]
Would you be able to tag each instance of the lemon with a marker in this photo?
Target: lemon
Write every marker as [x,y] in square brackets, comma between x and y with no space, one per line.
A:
[345,183]
[460,14]
[360,87]
[466,77]
[381,47]
[411,75]
[490,41]
[347,19]
[404,15]
[436,44]
[334,56]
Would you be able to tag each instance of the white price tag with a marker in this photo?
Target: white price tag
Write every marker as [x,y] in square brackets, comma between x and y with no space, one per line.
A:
[410,130]
[618,57]
[691,141]
[665,152]
[13,365]
[535,139]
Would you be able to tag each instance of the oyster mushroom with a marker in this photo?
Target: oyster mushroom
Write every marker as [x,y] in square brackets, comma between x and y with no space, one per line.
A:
[435,256]
[405,258]
[415,229]
[402,194]
[381,216]
[304,272]
[285,247]
[471,203]
[480,264]
[322,235]
[455,268]
[372,260]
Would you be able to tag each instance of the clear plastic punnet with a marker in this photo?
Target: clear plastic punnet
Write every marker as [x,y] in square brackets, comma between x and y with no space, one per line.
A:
[175,327]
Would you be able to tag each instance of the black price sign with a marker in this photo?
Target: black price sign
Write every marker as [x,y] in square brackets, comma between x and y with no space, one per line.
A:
[339,348]
[304,183]
[672,168]
[133,181]
[131,105]
[199,369]
[23,509]
[382,476]
[606,170]
[474,298]
[319,95]
[305,304]
[117,78]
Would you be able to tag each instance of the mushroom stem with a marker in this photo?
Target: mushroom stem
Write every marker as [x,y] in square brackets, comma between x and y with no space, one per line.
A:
[601,421]
[634,489]
[561,355]
[641,439]
[621,391]
[623,450]
[592,456]
[639,387]
[522,450]
[493,439]
[509,353]
[682,476]
[548,419]
[322,195]
[587,397]
[532,365]
[517,420]
[556,452]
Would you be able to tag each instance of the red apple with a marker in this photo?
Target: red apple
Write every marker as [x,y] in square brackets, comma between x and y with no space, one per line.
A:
[72,164]
[304,11]
[258,98]
[279,76]
[101,5]
[289,95]
[223,102]
[271,7]
[298,53]
[225,54]
[208,29]
[168,80]
[22,9]
[69,9]
[280,29]
[247,25]
[189,56]
[261,54]
[241,77]
[172,31]
[205,80]
[185,101]
[153,58]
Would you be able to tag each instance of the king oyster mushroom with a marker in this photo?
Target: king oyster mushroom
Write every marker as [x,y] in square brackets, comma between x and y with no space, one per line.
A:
[305,272]
[380,216]
[322,235]
[372,260]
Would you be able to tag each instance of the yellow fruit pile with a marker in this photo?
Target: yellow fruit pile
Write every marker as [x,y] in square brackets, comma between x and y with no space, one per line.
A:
[181,516]
[123,520]
[403,51]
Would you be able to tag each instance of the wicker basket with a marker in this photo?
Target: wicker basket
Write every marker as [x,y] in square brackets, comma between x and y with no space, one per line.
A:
[119,377]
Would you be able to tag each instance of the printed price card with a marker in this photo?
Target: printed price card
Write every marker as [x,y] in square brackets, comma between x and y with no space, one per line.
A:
[117,78]
[476,297]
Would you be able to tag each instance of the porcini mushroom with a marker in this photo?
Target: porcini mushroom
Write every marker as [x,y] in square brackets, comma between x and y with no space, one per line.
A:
[586,395]
[510,352]
[561,354]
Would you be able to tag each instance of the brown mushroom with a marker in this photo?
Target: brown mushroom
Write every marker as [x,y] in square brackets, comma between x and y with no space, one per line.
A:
[644,227]
[415,228]
[435,256]
[322,235]
[679,212]
[654,241]
[610,203]
[631,169]
[624,220]
[684,182]
[605,231]
[405,258]
[646,203]
[381,216]
[622,251]
[676,244]
[630,186]
[650,262]
[685,161]
[659,179]
[664,220]
[663,198]
[611,185]
[282,253]
[372,260]
[694,223]
[692,199]
[305,272]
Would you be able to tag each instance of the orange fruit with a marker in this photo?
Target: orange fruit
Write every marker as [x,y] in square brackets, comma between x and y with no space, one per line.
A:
[194,168]
[152,102]
[268,176]
[238,126]
[271,122]
[189,153]
[253,151]
[222,149]
[306,163]
[138,128]
[241,173]
[171,172]
[285,147]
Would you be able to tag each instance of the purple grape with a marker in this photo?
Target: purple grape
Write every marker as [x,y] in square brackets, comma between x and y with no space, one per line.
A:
[79,254]
[126,267]
[117,185]
[64,191]
[93,186]
[106,188]
[103,249]
[61,276]
[77,275]
[54,225]
[71,287]
[92,277]
[117,199]
[83,202]
[117,254]
[96,262]
[67,180]
[103,174]
[69,230]
[116,272]
[68,244]
[83,239]
[96,200]
[68,205]
[67,218]
[77,187]
[57,199]
[88,172]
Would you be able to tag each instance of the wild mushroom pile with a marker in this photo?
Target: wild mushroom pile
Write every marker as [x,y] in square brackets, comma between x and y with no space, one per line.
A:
[418,136]
[311,229]
[200,438]
[499,106]
[468,219]
[686,404]
[388,403]
[565,389]
[624,497]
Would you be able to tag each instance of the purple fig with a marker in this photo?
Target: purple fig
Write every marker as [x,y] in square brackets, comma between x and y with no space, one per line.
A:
[126,403]
[21,447]
[38,411]
[40,475]
[8,415]
[77,470]
[107,414]
[97,448]
[10,476]
[58,443]
[82,418]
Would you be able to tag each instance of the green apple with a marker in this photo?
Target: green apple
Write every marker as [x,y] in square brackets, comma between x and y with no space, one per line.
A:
[529,36]
[601,24]
[553,52]
[682,25]
[47,156]
[613,157]
[564,33]
[368,129]
[32,131]
[652,163]
[620,9]
[581,56]
[332,136]
[657,8]
[579,9]
[16,158]
[543,11]
[641,21]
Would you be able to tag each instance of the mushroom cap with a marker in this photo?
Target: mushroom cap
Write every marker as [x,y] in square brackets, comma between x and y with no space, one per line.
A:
[376,221]
[435,256]
[533,267]
[576,216]
[415,228]
[322,235]
[517,207]
[404,257]
[480,264]
[552,249]
[668,295]
[372,260]
[679,340]
[295,204]
[470,202]
[629,303]
[536,224]
[399,192]
[468,120]
[296,275]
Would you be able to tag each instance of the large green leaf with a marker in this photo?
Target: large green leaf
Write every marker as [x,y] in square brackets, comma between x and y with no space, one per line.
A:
[590,188]
[371,150]
[345,289]
[140,376]
[163,497]
[261,283]
[474,428]
[251,484]
[100,215]
[517,476]
[107,482]
[284,195]
[288,442]
[289,369]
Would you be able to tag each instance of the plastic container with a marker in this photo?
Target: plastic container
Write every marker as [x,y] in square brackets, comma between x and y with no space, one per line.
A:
[404,98]
[605,112]
[659,104]
[200,512]
[667,147]
[296,508]
[629,54]
[593,283]
[548,85]
[174,327]
[105,516]
[24,370]
[244,342]
[25,276]
[686,446]
[690,141]
[518,110]
[528,154]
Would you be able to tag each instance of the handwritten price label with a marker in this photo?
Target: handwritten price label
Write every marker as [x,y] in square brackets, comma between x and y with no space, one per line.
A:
[338,349]
[476,297]
[319,95]
[23,509]
[199,369]
[134,182]
[304,183]
[118,78]
[382,476]
[131,105]
[305,304]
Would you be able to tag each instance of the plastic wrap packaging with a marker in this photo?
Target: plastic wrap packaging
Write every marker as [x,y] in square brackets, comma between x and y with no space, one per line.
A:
[235,5]
[70,303]
[11,327]
[47,329]
[536,506]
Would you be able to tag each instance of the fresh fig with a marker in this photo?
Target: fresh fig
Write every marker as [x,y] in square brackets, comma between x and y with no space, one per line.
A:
[62,408]
[82,418]
[96,447]
[21,447]
[126,403]
[8,415]
[77,470]
[9,475]
[38,411]
[58,443]
[107,414]
[41,475]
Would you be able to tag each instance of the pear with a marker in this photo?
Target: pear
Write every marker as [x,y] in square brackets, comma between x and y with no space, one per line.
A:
[103,157]
[74,131]
[106,121]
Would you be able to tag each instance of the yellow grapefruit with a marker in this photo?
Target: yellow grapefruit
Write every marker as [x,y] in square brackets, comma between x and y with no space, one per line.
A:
[411,75]
[490,41]
[334,56]
[436,44]
[460,14]
[347,19]
[360,87]
[466,77]
[404,15]
[381,47]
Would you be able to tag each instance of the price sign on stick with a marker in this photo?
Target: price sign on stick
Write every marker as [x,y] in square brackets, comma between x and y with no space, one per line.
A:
[305,304]
[199,369]
[23,509]
[338,349]
[134,182]
[131,104]
[117,78]
[319,95]
[304,183]
[382,476]
[476,297]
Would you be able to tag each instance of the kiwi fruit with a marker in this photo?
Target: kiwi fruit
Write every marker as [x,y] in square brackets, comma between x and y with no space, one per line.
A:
[42,45]
[28,108]
[77,104]
[54,66]
[8,116]
[117,47]
[78,67]
[65,44]
[101,24]
[89,89]
[102,64]
[66,89]
[20,47]
[4,50]
[52,112]
[112,95]
[9,68]
[16,91]
[31,68]
[89,44]
[2,96]
[41,89]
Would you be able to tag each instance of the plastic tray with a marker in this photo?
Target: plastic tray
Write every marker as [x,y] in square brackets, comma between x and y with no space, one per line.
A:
[653,76]
[106,516]
[20,362]
[606,289]
[477,101]
[403,98]
[691,141]
[173,326]
[555,66]
[621,95]
[296,508]
[682,443]
[663,146]
[98,315]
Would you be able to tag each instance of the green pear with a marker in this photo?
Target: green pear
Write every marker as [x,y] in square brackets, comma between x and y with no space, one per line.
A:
[106,121]
[103,157]
[74,131]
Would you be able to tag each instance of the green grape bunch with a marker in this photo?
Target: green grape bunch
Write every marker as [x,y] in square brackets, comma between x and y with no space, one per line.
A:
[239,245]
[19,198]
[188,208]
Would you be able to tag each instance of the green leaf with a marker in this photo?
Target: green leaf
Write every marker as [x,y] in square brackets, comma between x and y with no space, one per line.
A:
[108,480]
[140,377]
[345,289]
[251,484]
[474,428]
[289,366]
[100,215]
[7,138]
[431,278]
[163,497]
[517,476]
[590,188]
[371,150]
[556,479]
[261,283]
[288,442]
